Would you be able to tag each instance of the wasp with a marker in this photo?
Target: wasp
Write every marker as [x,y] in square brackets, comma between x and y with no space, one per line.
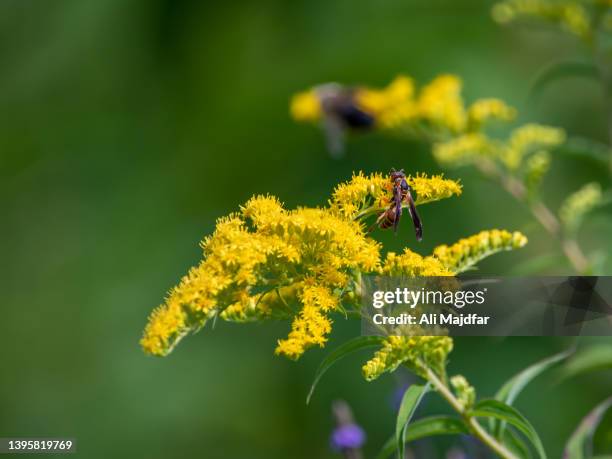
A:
[401,193]
[341,114]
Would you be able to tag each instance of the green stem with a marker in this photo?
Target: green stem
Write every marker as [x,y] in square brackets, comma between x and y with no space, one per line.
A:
[477,430]
[541,213]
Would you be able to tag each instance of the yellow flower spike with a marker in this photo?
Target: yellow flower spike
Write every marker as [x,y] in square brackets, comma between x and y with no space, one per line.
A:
[578,204]
[441,104]
[484,110]
[570,15]
[258,265]
[166,324]
[412,264]
[527,139]
[463,149]
[465,253]
[380,102]
[536,168]
[434,188]
[417,352]
[351,198]
[306,106]
[311,326]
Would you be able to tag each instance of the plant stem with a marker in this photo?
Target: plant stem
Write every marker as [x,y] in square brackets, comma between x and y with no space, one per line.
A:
[541,213]
[478,431]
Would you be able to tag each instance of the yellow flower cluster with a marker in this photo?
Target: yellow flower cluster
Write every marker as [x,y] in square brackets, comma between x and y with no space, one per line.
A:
[312,324]
[523,141]
[438,106]
[417,352]
[463,149]
[437,109]
[412,264]
[570,15]
[535,168]
[465,253]
[527,139]
[441,103]
[269,262]
[306,106]
[484,110]
[378,102]
[262,252]
[578,204]
[432,351]
[373,191]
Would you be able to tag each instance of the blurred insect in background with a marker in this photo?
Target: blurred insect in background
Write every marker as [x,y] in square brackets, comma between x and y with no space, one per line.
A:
[392,215]
[339,112]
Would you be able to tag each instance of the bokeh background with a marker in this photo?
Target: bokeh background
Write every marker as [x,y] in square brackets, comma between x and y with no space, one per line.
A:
[128,126]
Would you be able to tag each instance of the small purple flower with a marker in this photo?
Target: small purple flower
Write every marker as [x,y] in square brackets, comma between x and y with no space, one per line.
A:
[347,436]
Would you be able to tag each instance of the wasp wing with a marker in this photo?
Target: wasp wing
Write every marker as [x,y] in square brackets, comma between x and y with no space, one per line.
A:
[397,199]
[334,136]
[416,221]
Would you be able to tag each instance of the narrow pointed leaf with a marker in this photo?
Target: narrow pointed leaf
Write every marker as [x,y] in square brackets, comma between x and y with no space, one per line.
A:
[513,387]
[588,359]
[410,402]
[426,427]
[356,344]
[516,444]
[559,70]
[499,410]
[576,445]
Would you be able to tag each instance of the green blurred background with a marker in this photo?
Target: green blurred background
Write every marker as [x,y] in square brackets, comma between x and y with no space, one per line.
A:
[129,126]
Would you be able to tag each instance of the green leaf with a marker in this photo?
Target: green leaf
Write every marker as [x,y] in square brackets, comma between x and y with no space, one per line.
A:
[561,69]
[356,344]
[426,427]
[597,357]
[515,443]
[576,445]
[499,410]
[585,149]
[411,399]
[514,386]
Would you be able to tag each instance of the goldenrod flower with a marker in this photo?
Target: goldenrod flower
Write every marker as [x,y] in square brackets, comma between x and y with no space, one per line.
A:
[484,110]
[440,103]
[416,352]
[373,191]
[261,252]
[306,106]
[312,325]
[570,15]
[412,264]
[463,149]
[465,253]
[434,188]
[378,102]
[578,204]
[269,262]
[535,169]
[527,139]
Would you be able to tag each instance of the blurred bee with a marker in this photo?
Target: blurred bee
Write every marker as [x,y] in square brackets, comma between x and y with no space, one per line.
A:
[392,215]
[340,113]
